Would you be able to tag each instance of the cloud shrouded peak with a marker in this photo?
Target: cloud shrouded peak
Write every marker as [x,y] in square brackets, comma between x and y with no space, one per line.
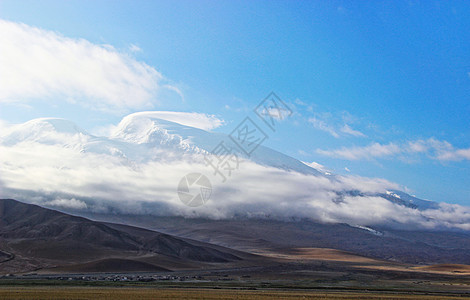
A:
[64,167]
[43,130]
[42,65]
[172,129]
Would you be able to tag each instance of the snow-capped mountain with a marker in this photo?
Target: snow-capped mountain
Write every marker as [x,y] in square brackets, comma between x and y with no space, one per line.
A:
[45,131]
[141,136]
[403,198]
[145,128]
[144,136]
[138,166]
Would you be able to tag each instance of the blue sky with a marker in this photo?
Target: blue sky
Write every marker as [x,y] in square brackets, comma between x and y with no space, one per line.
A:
[379,88]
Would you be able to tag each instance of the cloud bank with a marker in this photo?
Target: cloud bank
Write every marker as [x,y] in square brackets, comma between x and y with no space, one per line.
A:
[42,65]
[61,166]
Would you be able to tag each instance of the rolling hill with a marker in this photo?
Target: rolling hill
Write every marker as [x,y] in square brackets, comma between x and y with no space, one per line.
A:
[257,236]
[37,237]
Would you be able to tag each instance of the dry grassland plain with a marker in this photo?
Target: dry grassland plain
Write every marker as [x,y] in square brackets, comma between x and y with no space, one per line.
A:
[152,293]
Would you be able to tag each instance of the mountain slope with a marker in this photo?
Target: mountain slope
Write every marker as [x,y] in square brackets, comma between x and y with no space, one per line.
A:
[260,235]
[44,237]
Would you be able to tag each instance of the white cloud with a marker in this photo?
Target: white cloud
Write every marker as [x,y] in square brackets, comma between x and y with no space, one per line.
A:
[42,65]
[327,122]
[360,153]
[67,203]
[452,215]
[348,130]
[277,113]
[134,48]
[303,105]
[432,148]
[105,182]
[323,126]
[193,119]
[418,146]
[455,154]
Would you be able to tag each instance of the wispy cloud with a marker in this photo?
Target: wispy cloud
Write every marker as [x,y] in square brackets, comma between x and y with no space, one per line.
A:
[360,153]
[135,48]
[323,126]
[300,103]
[328,123]
[455,155]
[45,66]
[348,130]
[432,148]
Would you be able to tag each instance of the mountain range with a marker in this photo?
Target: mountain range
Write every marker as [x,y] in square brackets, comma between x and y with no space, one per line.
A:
[270,203]
[143,139]
[45,241]
[32,237]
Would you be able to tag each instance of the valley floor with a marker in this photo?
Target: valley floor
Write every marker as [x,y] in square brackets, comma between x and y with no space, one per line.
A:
[288,274]
[308,279]
[50,292]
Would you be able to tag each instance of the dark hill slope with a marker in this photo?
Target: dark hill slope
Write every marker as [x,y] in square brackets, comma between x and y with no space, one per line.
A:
[38,237]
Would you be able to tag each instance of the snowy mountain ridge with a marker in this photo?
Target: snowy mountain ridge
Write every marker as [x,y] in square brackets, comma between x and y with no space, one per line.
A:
[145,137]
